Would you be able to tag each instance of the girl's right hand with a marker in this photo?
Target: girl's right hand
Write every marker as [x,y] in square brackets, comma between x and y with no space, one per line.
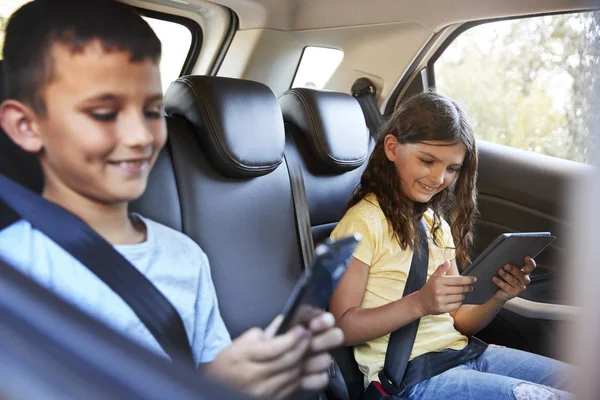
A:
[444,293]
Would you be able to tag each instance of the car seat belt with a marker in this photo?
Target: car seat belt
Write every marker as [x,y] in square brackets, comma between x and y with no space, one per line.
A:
[397,373]
[402,340]
[364,91]
[292,159]
[100,257]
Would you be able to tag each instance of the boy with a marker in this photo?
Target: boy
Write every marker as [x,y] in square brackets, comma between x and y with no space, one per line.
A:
[84,93]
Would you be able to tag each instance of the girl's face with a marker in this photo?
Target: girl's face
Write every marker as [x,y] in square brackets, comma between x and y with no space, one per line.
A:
[426,168]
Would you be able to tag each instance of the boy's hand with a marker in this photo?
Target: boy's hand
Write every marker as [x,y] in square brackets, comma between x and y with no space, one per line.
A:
[325,337]
[442,293]
[261,365]
[513,280]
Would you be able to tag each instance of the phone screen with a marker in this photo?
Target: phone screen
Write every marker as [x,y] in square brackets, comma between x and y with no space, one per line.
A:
[316,286]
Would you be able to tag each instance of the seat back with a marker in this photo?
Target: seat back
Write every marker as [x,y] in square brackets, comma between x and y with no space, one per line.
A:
[226,144]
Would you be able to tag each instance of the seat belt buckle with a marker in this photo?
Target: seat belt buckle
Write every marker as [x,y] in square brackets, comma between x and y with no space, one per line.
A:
[376,391]
[390,387]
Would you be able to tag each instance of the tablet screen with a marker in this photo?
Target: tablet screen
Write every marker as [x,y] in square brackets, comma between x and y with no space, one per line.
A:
[508,248]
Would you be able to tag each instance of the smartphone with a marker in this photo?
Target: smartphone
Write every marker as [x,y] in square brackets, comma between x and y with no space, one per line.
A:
[315,287]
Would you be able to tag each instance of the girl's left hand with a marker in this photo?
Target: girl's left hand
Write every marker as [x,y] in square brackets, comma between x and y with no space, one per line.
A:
[513,280]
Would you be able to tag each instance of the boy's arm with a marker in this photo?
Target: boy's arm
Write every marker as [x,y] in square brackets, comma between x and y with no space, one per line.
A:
[325,337]
[253,363]
[210,334]
[259,364]
[470,319]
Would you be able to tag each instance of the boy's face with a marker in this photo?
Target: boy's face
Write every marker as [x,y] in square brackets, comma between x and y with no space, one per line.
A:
[103,128]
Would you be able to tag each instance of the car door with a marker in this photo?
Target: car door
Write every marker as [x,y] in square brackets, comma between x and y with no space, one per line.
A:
[523,82]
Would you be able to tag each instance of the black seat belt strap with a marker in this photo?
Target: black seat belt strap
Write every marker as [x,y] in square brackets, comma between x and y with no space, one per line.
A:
[292,159]
[101,258]
[364,91]
[402,340]
[301,210]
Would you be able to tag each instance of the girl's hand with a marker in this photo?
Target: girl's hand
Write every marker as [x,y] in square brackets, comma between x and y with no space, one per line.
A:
[513,281]
[444,293]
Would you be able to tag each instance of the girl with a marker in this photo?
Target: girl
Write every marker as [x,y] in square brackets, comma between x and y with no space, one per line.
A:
[424,165]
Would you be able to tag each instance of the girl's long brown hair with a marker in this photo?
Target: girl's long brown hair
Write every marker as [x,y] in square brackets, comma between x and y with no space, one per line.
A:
[425,117]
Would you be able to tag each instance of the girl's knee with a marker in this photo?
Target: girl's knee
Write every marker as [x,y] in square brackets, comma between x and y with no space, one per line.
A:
[531,391]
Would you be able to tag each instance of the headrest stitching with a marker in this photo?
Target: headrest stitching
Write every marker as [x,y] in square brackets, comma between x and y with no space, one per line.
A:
[313,124]
[209,118]
[318,138]
[213,130]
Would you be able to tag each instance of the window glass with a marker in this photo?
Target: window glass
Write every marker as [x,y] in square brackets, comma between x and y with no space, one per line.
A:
[176,40]
[527,83]
[7,7]
[316,66]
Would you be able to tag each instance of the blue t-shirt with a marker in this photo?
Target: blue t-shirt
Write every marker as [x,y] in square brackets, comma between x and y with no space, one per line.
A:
[170,260]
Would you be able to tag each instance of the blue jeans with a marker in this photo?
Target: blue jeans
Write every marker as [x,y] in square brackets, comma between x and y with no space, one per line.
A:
[499,373]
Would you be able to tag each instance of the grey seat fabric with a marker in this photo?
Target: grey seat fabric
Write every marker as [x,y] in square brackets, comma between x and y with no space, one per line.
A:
[226,138]
[332,137]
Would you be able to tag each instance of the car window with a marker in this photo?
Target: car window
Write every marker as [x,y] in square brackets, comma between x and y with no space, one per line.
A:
[7,7]
[526,83]
[317,64]
[176,40]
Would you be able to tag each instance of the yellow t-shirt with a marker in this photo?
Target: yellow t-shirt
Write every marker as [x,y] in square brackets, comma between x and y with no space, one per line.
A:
[389,268]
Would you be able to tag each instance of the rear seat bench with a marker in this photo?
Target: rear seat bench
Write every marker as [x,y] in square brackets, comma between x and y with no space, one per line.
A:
[222,180]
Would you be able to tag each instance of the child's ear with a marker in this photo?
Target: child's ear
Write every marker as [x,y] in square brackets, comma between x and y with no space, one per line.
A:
[390,143]
[19,122]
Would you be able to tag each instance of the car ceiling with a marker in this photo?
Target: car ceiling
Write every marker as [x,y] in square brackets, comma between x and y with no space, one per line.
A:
[433,14]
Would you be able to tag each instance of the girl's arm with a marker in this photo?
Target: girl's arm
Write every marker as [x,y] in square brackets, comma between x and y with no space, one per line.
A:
[470,319]
[440,294]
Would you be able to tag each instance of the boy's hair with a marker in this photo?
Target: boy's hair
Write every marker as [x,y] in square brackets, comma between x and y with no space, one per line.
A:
[426,116]
[36,26]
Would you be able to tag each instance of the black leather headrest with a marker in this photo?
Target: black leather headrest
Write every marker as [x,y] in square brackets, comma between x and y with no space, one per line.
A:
[332,123]
[239,122]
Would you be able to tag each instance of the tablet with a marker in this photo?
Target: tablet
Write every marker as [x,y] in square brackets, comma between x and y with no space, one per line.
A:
[508,248]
